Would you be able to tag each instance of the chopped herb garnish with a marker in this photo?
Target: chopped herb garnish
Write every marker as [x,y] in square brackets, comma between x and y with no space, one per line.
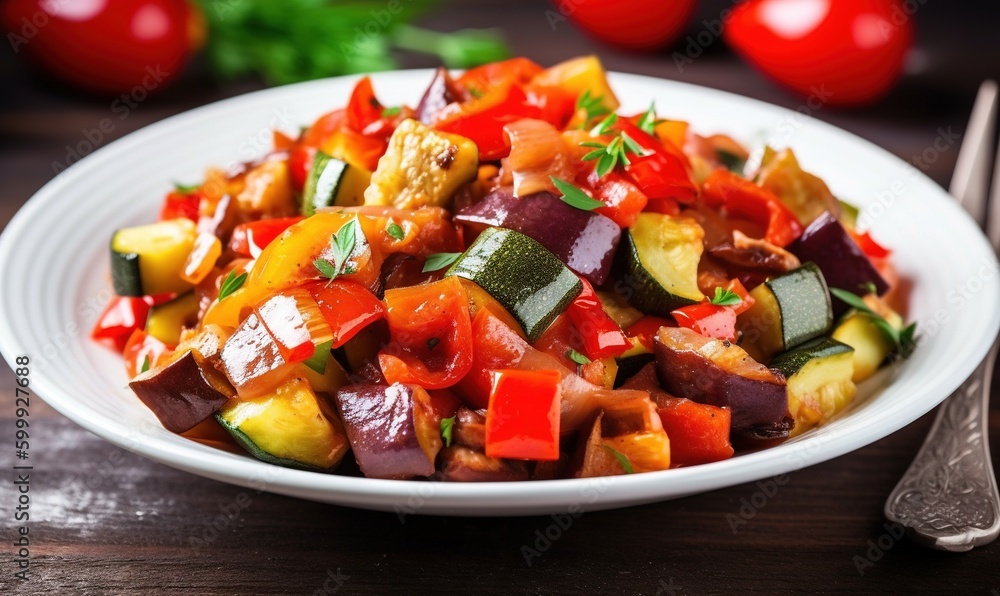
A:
[574,197]
[394,230]
[647,123]
[433,343]
[185,189]
[625,463]
[592,106]
[577,357]
[869,287]
[616,152]
[903,340]
[145,364]
[447,424]
[232,283]
[604,127]
[733,162]
[341,246]
[440,260]
[476,93]
[724,297]
[321,354]
[392,111]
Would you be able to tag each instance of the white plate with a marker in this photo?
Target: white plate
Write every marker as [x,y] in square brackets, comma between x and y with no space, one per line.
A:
[53,270]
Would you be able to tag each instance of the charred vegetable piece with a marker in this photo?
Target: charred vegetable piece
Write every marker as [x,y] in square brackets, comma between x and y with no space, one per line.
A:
[422,167]
[393,429]
[658,263]
[522,421]
[149,260]
[721,374]
[291,426]
[183,392]
[528,280]
[333,182]
[819,381]
[585,241]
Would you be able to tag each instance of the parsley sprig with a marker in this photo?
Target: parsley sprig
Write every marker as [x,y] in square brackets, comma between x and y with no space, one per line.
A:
[903,340]
[341,247]
[609,155]
[724,297]
[447,427]
[593,107]
[440,260]
[575,197]
[394,230]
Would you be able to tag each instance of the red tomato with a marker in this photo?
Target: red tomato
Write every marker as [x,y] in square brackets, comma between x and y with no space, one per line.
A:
[249,239]
[495,345]
[709,320]
[839,52]
[739,197]
[107,46]
[522,420]
[699,433]
[640,25]
[482,119]
[363,108]
[178,205]
[623,200]
[347,306]
[121,318]
[138,348]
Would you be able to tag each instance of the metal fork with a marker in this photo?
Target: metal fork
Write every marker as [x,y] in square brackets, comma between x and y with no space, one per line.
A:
[948,498]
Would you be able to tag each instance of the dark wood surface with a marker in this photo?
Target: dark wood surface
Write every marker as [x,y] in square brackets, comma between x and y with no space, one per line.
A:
[105,520]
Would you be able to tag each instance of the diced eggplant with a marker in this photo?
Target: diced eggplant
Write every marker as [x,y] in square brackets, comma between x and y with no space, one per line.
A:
[463,464]
[843,263]
[718,373]
[755,255]
[441,92]
[393,429]
[184,392]
[470,428]
[583,240]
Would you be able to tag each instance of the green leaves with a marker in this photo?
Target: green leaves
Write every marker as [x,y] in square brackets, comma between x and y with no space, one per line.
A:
[622,460]
[616,152]
[604,126]
[232,283]
[724,297]
[593,107]
[447,426]
[904,340]
[440,260]
[185,189]
[145,364]
[391,111]
[647,123]
[341,247]
[577,357]
[394,230]
[574,197]
[321,354]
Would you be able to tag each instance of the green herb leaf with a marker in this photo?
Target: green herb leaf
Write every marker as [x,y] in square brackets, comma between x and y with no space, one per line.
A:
[320,357]
[604,127]
[647,123]
[592,106]
[869,287]
[733,162]
[615,152]
[440,260]
[391,111]
[342,246]
[904,341]
[232,283]
[447,425]
[145,364]
[476,93]
[574,197]
[852,300]
[326,269]
[577,357]
[394,230]
[724,297]
[622,460]
[185,189]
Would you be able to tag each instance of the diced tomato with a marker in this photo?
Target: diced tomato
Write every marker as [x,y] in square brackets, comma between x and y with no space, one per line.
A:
[558,339]
[644,330]
[249,239]
[665,206]
[138,348]
[522,420]
[699,433]
[324,128]
[180,205]
[741,198]
[347,306]
[661,173]
[709,320]
[495,345]
[482,79]
[556,105]
[602,337]
[623,200]
[300,161]
[296,323]
[431,335]
[123,316]
[736,287]
[363,107]
[482,119]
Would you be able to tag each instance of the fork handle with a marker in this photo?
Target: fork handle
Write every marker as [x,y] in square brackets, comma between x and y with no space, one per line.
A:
[948,498]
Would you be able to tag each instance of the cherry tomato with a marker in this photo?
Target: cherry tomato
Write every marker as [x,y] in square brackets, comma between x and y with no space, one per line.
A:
[178,204]
[107,46]
[639,25]
[841,52]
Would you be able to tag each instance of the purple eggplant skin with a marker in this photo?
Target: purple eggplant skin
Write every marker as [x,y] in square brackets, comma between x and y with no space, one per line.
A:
[843,263]
[184,392]
[583,240]
[441,92]
[392,429]
[464,464]
[715,372]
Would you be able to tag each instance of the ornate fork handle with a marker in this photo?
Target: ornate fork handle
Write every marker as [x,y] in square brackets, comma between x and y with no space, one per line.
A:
[948,497]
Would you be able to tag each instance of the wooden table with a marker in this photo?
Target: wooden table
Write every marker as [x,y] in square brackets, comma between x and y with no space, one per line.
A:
[105,520]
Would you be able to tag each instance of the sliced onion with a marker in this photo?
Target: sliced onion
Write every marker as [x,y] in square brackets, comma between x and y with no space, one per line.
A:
[537,151]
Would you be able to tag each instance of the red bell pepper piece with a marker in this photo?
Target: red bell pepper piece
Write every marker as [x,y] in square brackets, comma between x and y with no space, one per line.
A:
[556,106]
[482,119]
[602,337]
[736,286]
[482,79]
[661,173]
[867,244]
[431,335]
[138,348]
[706,319]
[363,107]
[347,306]
[741,198]
[665,206]
[249,239]
[180,205]
[699,433]
[300,161]
[121,318]
[325,127]
[522,420]
[622,199]
[296,324]
[494,346]
[644,330]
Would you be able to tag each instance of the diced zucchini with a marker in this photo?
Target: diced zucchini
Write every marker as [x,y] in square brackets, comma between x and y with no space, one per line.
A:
[819,374]
[292,426]
[528,280]
[148,260]
[618,309]
[788,310]
[333,182]
[422,167]
[166,320]
[658,261]
[871,346]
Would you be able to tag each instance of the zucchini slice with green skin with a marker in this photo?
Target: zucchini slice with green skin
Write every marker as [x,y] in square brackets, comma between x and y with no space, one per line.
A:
[166,320]
[658,263]
[291,426]
[819,377]
[333,182]
[148,260]
[528,280]
[871,347]
[789,310]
